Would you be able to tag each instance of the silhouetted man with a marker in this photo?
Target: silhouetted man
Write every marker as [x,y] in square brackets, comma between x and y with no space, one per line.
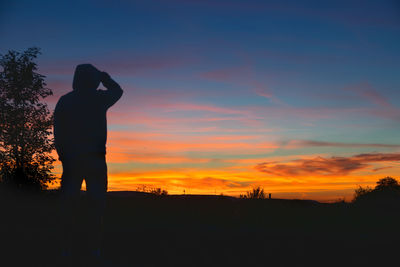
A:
[80,131]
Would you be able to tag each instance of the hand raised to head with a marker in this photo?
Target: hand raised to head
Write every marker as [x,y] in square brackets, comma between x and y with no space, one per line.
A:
[104,76]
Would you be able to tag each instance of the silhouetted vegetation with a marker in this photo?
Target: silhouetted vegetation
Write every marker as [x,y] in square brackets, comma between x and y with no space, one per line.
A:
[386,192]
[361,191]
[155,191]
[387,183]
[159,192]
[25,122]
[190,230]
[255,193]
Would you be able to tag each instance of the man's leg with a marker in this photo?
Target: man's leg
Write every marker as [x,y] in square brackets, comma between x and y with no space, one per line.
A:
[96,186]
[71,181]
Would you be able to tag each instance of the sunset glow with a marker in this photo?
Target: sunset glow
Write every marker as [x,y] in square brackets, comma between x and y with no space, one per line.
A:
[223,96]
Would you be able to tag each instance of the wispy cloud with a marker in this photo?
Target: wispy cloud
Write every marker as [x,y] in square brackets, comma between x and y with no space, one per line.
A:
[383,108]
[310,143]
[243,76]
[262,90]
[320,166]
[126,147]
[369,93]
[122,62]
[228,74]
[203,107]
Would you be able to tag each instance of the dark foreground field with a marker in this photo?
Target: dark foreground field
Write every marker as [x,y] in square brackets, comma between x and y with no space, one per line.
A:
[145,230]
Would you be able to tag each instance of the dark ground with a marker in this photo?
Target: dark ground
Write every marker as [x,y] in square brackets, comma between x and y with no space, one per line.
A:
[146,230]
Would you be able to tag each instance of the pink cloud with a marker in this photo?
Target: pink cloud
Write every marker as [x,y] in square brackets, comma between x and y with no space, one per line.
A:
[262,90]
[306,113]
[366,91]
[122,63]
[204,107]
[168,122]
[310,143]
[244,77]
[228,74]
[383,107]
[138,64]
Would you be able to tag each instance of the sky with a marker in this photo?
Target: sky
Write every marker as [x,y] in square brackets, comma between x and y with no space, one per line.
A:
[299,97]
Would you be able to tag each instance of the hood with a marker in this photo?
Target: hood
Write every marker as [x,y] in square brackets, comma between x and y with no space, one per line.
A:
[86,78]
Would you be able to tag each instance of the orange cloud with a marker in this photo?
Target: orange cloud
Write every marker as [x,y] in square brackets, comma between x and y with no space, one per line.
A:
[325,166]
[242,176]
[164,148]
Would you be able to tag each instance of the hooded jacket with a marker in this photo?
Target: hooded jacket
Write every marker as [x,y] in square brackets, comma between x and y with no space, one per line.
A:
[80,122]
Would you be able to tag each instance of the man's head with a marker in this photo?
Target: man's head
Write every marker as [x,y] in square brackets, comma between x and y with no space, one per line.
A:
[86,78]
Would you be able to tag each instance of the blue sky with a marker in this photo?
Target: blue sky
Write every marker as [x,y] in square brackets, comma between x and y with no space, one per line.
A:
[215,88]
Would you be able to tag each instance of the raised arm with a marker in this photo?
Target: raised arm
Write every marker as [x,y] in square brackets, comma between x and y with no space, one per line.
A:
[113,92]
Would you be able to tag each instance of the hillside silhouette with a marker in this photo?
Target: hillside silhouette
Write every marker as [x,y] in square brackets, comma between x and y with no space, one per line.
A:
[144,229]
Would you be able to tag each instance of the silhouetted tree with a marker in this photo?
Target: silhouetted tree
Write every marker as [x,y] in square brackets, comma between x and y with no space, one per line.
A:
[25,122]
[361,191]
[152,190]
[255,193]
[386,190]
[387,183]
[159,192]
